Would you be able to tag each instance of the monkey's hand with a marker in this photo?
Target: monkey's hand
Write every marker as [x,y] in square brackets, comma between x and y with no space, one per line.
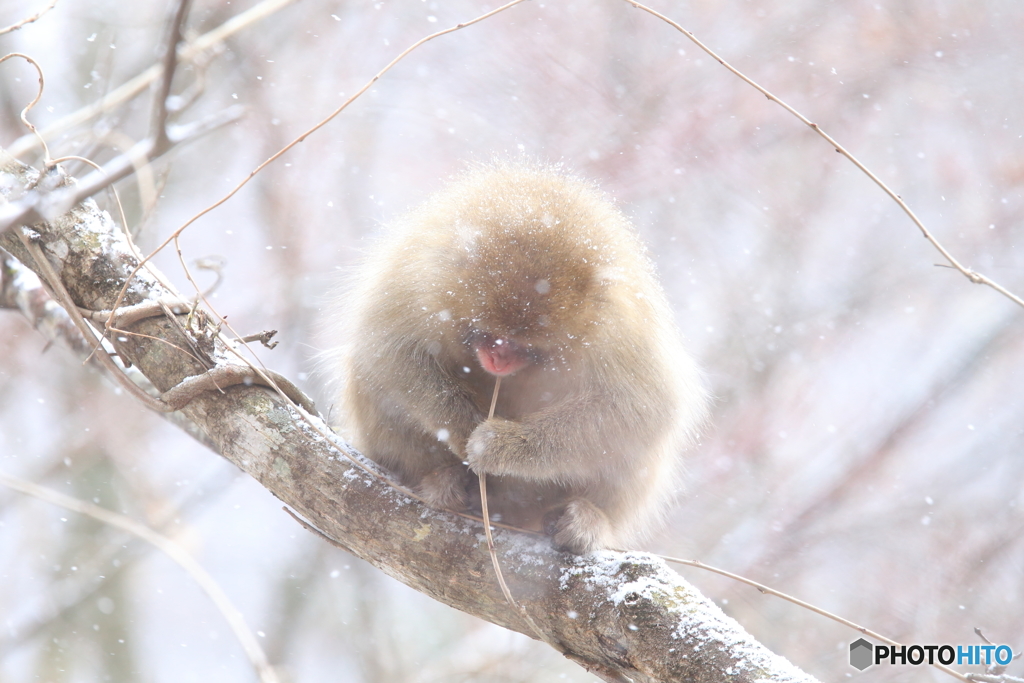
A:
[500,446]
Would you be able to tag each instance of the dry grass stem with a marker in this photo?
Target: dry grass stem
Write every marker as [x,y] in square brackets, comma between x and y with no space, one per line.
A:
[493,551]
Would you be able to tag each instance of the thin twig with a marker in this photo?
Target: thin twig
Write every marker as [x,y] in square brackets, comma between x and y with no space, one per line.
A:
[24,112]
[137,85]
[973,276]
[29,20]
[806,605]
[246,638]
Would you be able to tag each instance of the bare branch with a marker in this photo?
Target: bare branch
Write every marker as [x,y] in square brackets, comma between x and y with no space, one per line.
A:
[36,206]
[973,276]
[158,129]
[137,85]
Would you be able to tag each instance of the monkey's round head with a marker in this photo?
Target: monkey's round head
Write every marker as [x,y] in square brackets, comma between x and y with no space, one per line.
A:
[527,258]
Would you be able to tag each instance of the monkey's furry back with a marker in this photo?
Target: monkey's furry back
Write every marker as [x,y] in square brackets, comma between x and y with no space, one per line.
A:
[523,252]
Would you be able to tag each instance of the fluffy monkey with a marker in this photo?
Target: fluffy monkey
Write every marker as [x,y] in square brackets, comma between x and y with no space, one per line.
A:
[524,273]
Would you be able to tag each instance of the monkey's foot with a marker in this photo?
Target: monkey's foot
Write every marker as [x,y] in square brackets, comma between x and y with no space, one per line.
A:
[445,489]
[582,527]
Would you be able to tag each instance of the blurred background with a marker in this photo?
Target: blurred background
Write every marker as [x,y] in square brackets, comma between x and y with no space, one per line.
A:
[866,452]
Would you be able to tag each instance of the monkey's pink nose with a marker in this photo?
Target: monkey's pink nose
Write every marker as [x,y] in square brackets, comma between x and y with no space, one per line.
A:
[500,357]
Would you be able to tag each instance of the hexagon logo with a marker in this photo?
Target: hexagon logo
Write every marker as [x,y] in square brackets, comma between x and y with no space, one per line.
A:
[861,652]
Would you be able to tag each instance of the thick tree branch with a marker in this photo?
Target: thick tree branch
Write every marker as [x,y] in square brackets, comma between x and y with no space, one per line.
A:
[620,615]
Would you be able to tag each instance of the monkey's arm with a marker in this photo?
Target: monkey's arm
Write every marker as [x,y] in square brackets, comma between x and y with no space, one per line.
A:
[585,433]
[424,393]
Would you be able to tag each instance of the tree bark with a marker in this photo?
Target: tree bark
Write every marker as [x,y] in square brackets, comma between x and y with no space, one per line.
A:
[623,616]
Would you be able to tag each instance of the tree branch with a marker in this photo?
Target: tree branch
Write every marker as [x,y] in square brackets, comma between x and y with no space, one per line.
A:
[158,129]
[135,86]
[34,206]
[623,616]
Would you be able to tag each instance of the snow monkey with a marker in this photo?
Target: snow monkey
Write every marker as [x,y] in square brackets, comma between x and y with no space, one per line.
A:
[521,272]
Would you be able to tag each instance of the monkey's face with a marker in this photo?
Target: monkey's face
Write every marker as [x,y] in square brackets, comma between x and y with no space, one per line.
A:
[525,297]
[521,268]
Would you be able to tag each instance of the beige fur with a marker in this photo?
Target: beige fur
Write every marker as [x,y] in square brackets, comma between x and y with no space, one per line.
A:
[588,433]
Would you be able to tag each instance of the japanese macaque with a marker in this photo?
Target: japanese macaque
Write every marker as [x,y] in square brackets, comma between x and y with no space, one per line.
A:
[524,273]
